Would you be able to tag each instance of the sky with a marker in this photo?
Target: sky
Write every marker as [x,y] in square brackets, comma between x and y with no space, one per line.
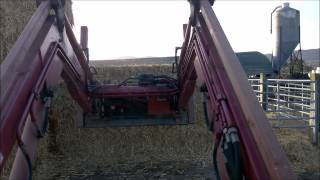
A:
[153,28]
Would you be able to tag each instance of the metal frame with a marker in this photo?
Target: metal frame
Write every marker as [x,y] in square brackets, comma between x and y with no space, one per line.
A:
[22,83]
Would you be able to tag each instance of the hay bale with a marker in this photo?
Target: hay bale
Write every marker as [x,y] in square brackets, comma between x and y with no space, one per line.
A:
[14,15]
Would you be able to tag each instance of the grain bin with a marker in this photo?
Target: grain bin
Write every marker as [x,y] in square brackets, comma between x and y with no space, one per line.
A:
[285,30]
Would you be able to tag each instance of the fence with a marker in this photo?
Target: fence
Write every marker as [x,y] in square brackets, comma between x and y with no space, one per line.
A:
[290,103]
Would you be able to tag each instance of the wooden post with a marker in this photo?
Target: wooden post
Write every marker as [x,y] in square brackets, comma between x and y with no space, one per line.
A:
[263,95]
[315,115]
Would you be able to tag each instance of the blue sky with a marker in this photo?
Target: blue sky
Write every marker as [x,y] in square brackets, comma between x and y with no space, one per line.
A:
[119,29]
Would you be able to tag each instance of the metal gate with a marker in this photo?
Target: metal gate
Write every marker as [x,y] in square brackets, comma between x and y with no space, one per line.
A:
[290,103]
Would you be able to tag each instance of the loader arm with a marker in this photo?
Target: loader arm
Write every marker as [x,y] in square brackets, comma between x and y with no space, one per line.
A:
[34,65]
[242,133]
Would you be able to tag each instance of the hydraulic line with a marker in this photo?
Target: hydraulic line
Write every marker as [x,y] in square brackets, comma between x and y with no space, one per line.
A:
[41,132]
[206,116]
[47,96]
[231,150]
[150,78]
[237,157]
[214,157]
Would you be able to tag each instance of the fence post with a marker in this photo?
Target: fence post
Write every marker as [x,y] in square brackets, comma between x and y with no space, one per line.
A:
[262,89]
[315,88]
[302,94]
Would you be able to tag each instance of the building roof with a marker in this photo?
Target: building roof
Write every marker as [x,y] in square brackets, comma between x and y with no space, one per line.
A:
[255,63]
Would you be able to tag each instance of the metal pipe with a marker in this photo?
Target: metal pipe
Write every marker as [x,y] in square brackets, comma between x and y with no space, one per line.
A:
[292,80]
[282,126]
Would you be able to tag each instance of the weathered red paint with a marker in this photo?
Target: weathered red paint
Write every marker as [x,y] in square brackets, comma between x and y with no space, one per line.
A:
[159,105]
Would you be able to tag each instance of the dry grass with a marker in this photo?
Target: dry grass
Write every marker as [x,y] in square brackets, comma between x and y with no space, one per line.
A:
[304,156]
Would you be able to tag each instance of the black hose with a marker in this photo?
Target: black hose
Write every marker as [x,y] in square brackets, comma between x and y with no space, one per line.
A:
[231,151]
[154,79]
[228,153]
[214,160]
[41,132]
[126,80]
[206,116]
[237,160]
[46,121]
[233,165]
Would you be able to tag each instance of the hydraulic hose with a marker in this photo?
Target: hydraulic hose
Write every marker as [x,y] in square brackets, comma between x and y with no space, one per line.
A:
[231,151]
[214,160]
[237,160]
[206,117]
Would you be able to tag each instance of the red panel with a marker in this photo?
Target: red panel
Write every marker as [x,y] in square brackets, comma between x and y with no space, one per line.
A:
[158,105]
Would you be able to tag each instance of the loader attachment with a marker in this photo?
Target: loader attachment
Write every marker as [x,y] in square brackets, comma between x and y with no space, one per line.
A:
[138,101]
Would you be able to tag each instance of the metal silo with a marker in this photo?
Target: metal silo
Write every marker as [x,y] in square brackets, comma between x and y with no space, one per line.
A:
[285,30]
